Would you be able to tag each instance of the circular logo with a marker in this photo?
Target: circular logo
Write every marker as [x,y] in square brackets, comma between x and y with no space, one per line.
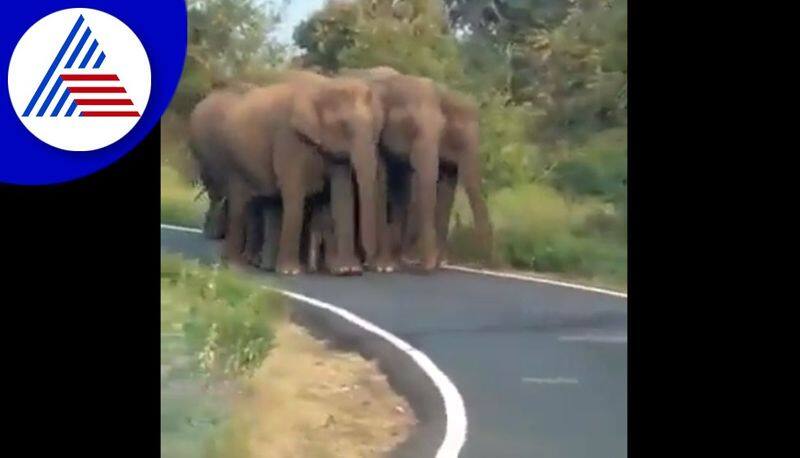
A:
[79,79]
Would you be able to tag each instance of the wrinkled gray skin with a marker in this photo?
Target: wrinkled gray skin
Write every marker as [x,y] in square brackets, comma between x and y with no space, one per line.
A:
[415,107]
[459,162]
[286,140]
[413,126]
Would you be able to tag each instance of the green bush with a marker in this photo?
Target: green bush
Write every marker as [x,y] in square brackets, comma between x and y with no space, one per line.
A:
[181,203]
[228,321]
[536,227]
[215,328]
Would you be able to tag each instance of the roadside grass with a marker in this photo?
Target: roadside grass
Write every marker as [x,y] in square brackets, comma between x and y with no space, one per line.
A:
[180,204]
[308,401]
[215,329]
[238,380]
[537,230]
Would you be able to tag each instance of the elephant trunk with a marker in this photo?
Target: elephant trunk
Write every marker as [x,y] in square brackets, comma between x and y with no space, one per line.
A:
[365,166]
[469,174]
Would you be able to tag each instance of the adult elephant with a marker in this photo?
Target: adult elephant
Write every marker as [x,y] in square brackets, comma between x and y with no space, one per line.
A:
[211,165]
[431,142]
[285,140]
[459,161]
[413,126]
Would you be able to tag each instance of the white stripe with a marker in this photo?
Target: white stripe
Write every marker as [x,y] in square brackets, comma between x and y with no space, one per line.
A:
[192,230]
[595,338]
[456,413]
[536,280]
[551,381]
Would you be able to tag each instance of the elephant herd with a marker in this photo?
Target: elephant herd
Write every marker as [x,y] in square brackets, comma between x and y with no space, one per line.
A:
[337,173]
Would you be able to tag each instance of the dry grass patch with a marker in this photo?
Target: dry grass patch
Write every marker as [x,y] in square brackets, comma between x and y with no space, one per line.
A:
[308,401]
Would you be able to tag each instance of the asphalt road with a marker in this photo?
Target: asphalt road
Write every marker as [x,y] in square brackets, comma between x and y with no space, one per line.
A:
[542,368]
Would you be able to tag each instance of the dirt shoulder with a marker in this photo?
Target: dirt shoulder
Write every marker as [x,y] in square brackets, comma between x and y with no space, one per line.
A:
[310,401]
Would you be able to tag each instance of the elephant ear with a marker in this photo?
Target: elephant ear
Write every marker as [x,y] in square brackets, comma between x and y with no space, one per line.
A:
[306,117]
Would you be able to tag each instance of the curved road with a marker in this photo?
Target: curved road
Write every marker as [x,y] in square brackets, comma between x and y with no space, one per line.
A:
[542,368]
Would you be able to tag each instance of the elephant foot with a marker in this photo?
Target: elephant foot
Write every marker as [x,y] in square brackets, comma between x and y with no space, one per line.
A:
[268,265]
[268,259]
[253,259]
[349,266]
[429,264]
[385,265]
[214,226]
[288,268]
[213,234]
[228,259]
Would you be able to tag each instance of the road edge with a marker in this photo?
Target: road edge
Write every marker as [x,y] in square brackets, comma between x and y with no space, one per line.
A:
[535,279]
[438,405]
[455,416]
[487,272]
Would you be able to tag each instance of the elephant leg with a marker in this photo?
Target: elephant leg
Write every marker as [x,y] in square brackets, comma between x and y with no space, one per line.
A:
[425,161]
[253,233]
[398,190]
[385,261]
[446,191]
[328,242]
[216,219]
[271,225]
[238,197]
[316,227]
[410,228]
[291,228]
[314,248]
[217,213]
[343,210]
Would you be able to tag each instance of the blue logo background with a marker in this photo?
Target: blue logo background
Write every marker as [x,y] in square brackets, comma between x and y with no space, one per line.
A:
[161,27]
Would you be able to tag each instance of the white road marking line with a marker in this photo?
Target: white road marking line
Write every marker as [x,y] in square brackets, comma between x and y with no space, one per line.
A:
[193,230]
[536,280]
[551,381]
[455,411]
[595,338]
[477,271]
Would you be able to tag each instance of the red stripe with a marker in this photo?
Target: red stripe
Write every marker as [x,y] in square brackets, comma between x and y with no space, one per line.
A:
[90,77]
[96,90]
[106,114]
[104,101]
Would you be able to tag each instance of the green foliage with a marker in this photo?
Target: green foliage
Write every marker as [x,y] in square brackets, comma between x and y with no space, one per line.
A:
[229,320]
[215,327]
[409,35]
[536,227]
[550,77]
[228,40]
[325,34]
[181,203]
[596,168]
[508,154]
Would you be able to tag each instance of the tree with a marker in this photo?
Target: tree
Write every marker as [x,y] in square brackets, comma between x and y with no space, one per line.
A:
[228,39]
[411,36]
